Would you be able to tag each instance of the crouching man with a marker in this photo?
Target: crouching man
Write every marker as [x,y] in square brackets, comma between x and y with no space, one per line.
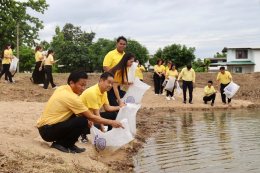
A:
[210,93]
[65,116]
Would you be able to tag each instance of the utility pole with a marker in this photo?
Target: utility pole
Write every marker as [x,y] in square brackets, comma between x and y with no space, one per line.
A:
[17,46]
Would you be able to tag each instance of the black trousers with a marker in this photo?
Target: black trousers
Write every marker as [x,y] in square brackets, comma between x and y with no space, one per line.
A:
[223,96]
[65,133]
[38,76]
[169,93]
[49,78]
[6,71]
[187,85]
[158,88]
[208,98]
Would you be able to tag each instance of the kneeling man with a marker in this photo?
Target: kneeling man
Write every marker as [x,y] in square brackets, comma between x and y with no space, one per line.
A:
[210,93]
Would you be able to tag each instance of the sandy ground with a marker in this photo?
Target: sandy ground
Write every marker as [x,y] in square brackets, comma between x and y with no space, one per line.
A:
[23,150]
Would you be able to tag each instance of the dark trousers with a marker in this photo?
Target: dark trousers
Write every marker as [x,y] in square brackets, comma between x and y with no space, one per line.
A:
[158,83]
[208,98]
[6,72]
[187,85]
[49,78]
[65,133]
[169,93]
[223,96]
[38,76]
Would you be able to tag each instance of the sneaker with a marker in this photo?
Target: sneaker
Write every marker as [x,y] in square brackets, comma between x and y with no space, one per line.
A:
[173,98]
[61,148]
[190,102]
[156,94]
[205,102]
[41,85]
[212,104]
[168,98]
[54,87]
[163,94]
[77,149]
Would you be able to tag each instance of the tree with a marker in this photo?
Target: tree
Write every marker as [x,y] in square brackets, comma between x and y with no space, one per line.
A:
[27,60]
[219,55]
[71,46]
[179,54]
[14,14]
[206,64]
[136,48]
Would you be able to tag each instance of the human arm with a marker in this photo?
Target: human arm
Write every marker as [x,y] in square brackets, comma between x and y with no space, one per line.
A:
[109,108]
[115,88]
[96,112]
[97,119]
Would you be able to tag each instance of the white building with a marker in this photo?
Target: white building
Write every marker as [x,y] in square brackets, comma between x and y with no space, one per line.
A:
[216,63]
[243,60]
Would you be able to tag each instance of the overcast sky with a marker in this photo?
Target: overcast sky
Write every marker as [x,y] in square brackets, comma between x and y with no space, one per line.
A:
[207,25]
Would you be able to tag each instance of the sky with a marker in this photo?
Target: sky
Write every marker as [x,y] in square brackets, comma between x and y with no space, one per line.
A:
[207,25]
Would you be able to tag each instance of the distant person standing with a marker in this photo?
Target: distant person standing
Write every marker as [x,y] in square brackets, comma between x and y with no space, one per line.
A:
[6,62]
[188,76]
[48,70]
[224,78]
[38,75]
[158,76]
[171,72]
[113,57]
[210,93]
[139,70]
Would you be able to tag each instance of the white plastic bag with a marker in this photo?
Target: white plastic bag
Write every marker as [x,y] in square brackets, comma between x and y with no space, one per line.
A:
[13,65]
[131,72]
[170,84]
[178,88]
[231,89]
[129,112]
[135,92]
[115,138]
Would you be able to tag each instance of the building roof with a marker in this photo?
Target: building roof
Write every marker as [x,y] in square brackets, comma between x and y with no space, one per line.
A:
[240,63]
[240,48]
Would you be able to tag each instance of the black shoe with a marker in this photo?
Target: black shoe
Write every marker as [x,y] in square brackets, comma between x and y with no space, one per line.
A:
[77,149]
[61,148]
[184,102]
[212,104]
[190,102]
[84,139]
[205,102]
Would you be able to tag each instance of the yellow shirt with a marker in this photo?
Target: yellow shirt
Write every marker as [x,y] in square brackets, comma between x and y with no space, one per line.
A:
[118,77]
[48,60]
[159,69]
[8,54]
[224,78]
[172,73]
[112,58]
[208,91]
[187,75]
[139,72]
[93,98]
[62,104]
[38,56]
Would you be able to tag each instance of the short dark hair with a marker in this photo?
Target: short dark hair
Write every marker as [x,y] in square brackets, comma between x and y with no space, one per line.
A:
[106,75]
[75,76]
[210,81]
[121,38]
[188,66]
[222,68]
[158,60]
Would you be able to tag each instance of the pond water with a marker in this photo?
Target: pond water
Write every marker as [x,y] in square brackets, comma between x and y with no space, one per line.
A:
[227,141]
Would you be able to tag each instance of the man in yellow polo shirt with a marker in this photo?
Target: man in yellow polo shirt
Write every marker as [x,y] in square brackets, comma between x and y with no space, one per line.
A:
[65,116]
[113,57]
[224,78]
[210,93]
[188,76]
[95,97]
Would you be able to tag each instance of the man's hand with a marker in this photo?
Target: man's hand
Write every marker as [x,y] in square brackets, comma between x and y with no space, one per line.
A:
[116,124]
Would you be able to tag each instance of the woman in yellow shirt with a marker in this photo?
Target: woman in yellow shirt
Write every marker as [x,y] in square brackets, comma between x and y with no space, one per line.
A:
[120,79]
[48,70]
[158,76]
[171,72]
[139,70]
[38,75]
[6,62]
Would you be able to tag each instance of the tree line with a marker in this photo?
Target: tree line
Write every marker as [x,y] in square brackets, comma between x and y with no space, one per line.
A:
[73,47]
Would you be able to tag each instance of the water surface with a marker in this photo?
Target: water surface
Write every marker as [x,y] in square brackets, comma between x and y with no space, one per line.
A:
[227,141]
